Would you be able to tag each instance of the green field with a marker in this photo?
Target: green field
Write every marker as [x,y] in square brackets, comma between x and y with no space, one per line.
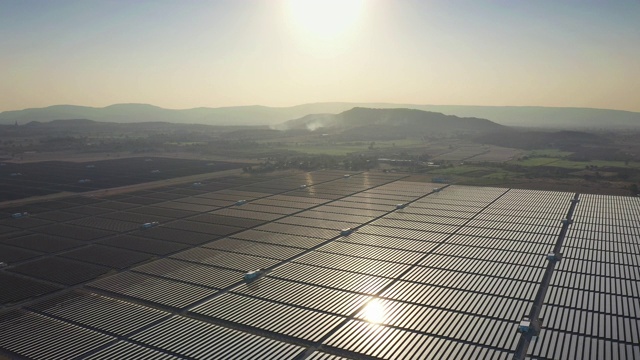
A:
[187,143]
[549,153]
[336,150]
[460,170]
[474,175]
[568,164]
[537,161]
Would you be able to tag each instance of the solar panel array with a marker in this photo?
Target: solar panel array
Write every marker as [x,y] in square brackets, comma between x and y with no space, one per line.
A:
[22,180]
[447,275]
[592,305]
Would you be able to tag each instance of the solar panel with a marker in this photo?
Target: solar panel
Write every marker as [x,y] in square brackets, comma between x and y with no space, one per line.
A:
[448,275]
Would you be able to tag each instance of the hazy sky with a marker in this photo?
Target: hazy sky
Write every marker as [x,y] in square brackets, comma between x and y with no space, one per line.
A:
[183,54]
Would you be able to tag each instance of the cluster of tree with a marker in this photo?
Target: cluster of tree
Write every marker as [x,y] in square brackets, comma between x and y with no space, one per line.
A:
[357,163]
[301,162]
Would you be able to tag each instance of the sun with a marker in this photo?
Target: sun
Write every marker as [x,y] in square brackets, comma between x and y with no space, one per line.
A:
[325,19]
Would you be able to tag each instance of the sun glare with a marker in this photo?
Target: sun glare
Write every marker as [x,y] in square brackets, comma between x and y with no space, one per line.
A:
[374,312]
[325,19]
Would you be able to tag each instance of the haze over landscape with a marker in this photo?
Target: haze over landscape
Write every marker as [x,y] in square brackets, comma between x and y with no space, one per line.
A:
[516,93]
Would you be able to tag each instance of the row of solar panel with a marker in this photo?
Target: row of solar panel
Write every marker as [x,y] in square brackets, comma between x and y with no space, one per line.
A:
[48,243]
[327,270]
[591,308]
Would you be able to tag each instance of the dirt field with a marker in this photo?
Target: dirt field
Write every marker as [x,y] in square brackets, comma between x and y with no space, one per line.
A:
[497,154]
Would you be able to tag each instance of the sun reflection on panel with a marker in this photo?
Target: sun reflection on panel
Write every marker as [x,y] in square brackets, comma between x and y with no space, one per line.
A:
[309,181]
[374,312]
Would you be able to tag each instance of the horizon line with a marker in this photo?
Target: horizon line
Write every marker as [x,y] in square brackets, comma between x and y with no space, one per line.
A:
[320,103]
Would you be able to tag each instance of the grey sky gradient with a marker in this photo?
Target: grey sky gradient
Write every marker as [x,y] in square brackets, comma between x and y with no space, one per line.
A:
[184,54]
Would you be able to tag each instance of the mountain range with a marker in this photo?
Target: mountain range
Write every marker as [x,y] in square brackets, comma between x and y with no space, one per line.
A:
[554,117]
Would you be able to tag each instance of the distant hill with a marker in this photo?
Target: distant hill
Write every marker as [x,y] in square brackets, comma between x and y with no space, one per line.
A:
[392,123]
[82,127]
[552,117]
[132,113]
[263,115]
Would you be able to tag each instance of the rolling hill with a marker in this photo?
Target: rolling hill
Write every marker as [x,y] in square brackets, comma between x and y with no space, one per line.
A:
[393,123]
[262,115]
[132,113]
